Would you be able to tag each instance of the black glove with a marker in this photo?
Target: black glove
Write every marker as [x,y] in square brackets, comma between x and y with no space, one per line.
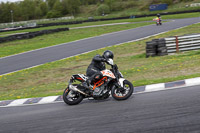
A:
[103,59]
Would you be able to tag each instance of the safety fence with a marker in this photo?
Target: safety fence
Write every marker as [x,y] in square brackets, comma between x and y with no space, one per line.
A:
[30,34]
[175,44]
[182,43]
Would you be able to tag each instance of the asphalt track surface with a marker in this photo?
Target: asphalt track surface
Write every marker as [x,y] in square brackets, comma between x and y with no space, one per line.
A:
[41,56]
[166,111]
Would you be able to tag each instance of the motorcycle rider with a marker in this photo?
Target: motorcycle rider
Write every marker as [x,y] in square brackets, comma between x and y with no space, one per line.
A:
[159,17]
[96,66]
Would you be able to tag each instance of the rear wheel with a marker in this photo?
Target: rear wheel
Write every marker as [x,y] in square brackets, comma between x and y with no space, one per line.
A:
[123,93]
[72,98]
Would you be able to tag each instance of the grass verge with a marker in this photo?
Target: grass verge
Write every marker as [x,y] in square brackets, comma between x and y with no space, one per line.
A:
[19,46]
[176,16]
[51,78]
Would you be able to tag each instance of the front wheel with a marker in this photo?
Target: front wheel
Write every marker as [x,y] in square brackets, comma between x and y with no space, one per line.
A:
[72,98]
[122,93]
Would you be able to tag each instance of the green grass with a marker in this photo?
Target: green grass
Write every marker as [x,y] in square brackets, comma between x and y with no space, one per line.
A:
[51,78]
[14,47]
[176,16]
[130,12]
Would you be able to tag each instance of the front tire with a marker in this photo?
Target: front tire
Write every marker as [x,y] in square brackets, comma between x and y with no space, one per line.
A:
[72,98]
[123,93]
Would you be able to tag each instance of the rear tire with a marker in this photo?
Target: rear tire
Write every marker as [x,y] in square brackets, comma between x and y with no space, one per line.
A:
[118,95]
[72,100]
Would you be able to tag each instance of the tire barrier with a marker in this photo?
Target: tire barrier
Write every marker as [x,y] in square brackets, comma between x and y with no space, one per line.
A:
[156,47]
[43,25]
[175,44]
[59,23]
[30,34]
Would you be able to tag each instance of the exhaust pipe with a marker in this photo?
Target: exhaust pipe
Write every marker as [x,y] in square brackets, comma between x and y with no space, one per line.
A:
[74,88]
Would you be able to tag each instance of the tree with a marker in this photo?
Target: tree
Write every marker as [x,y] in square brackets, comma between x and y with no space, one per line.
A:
[74,6]
[27,8]
[103,9]
[65,7]
[89,2]
[58,6]
[44,8]
[51,4]
[53,14]
[38,13]
[5,15]
[110,3]
[169,2]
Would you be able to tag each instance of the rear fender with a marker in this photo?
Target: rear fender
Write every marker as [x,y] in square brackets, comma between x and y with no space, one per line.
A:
[79,77]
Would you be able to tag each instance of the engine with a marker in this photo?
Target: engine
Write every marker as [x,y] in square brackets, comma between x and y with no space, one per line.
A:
[99,90]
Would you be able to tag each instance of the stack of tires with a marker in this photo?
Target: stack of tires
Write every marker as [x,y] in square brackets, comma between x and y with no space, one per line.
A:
[161,47]
[151,48]
[156,47]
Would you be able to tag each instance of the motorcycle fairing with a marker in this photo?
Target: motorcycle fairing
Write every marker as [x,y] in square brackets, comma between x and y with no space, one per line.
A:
[108,73]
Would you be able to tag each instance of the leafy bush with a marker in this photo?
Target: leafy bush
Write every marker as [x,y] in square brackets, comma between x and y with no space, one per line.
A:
[116,6]
[169,2]
[53,14]
[103,9]
[185,0]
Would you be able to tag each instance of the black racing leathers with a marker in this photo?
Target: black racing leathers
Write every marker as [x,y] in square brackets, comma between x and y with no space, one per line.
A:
[97,65]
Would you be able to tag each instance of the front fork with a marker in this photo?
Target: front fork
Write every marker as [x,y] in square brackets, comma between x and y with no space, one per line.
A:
[119,84]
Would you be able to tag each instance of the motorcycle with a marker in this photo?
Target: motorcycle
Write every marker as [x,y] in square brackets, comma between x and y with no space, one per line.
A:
[158,21]
[112,81]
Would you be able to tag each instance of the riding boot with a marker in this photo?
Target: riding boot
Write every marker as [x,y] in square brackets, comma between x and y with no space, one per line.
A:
[86,84]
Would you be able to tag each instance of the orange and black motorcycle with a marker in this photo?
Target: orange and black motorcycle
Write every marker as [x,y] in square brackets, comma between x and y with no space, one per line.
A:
[112,81]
